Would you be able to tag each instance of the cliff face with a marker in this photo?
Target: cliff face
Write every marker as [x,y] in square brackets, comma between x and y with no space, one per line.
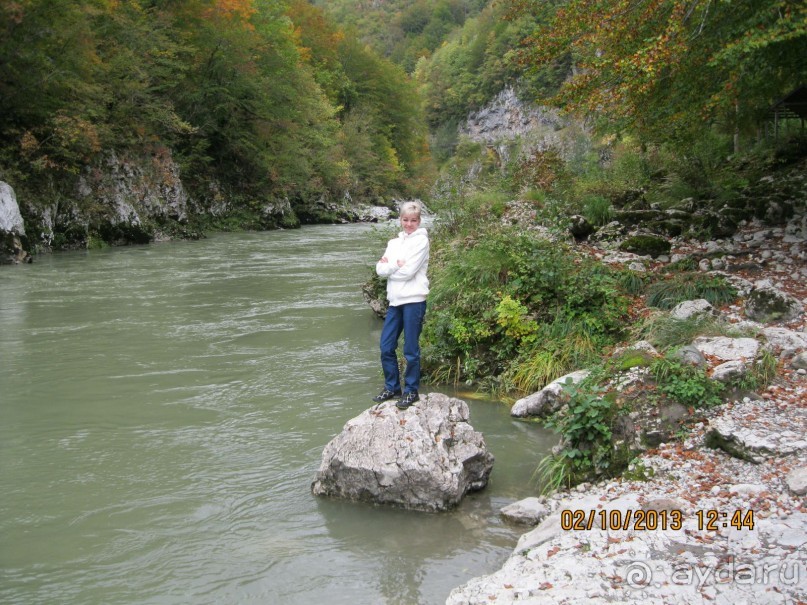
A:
[119,199]
[508,130]
[507,117]
[12,228]
[123,198]
[126,198]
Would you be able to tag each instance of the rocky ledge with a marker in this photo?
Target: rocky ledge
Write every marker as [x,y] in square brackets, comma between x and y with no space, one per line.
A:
[426,457]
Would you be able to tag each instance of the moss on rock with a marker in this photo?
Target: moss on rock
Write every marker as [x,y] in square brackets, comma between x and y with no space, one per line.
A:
[646,245]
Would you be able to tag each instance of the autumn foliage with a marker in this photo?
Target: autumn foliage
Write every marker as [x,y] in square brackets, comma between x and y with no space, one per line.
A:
[262,97]
[664,68]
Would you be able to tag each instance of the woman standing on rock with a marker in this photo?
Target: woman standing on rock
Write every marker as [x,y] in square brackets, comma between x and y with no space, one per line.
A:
[404,264]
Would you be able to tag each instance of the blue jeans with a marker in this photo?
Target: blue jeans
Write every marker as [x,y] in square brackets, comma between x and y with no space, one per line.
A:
[408,319]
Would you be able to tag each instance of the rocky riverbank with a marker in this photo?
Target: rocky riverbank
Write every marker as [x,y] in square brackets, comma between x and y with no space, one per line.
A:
[135,202]
[717,515]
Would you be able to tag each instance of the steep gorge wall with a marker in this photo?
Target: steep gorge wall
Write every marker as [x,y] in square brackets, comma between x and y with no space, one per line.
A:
[126,198]
[123,198]
[506,117]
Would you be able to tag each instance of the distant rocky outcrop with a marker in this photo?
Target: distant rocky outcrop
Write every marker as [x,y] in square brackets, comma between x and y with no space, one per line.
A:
[136,198]
[424,458]
[119,199]
[507,117]
[327,210]
[12,228]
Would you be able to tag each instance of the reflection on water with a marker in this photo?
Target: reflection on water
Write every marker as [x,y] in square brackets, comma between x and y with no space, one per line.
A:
[163,410]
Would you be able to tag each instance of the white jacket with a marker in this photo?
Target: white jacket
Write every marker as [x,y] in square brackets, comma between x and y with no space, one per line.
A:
[409,283]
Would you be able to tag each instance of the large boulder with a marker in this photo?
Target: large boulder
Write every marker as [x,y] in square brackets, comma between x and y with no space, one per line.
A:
[689,355]
[767,304]
[782,340]
[424,458]
[730,371]
[727,349]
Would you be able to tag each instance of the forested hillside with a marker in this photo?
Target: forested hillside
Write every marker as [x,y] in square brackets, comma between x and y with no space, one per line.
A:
[254,101]
[259,113]
[651,110]
[403,30]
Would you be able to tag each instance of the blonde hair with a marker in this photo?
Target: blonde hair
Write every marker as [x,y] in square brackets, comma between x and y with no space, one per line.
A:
[410,207]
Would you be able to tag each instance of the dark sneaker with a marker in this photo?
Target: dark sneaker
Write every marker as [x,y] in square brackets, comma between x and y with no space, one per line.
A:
[386,395]
[407,400]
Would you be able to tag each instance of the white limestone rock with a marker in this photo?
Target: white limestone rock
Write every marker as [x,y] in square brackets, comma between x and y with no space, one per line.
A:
[529,511]
[797,481]
[10,218]
[426,457]
[781,339]
[547,400]
[727,349]
[729,371]
[799,362]
[692,308]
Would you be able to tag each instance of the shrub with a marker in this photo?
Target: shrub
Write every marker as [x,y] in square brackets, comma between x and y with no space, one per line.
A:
[560,347]
[511,299]
[597,210]
[686,384]
[584,425]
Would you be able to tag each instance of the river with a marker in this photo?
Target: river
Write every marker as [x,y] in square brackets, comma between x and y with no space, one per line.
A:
[163,410]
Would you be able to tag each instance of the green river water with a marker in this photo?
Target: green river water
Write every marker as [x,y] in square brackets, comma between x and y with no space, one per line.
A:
[163,410]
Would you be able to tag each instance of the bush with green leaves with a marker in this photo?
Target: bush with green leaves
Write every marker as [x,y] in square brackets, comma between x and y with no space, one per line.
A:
[584,424]
[686,384]
[508,302]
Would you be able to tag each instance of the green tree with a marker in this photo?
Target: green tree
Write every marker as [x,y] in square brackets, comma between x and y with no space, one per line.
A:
[663,68]
[262,97]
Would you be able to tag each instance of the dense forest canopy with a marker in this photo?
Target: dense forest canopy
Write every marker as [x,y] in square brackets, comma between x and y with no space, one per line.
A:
[268,98]
[663,68]
[302,100]
[403,30]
